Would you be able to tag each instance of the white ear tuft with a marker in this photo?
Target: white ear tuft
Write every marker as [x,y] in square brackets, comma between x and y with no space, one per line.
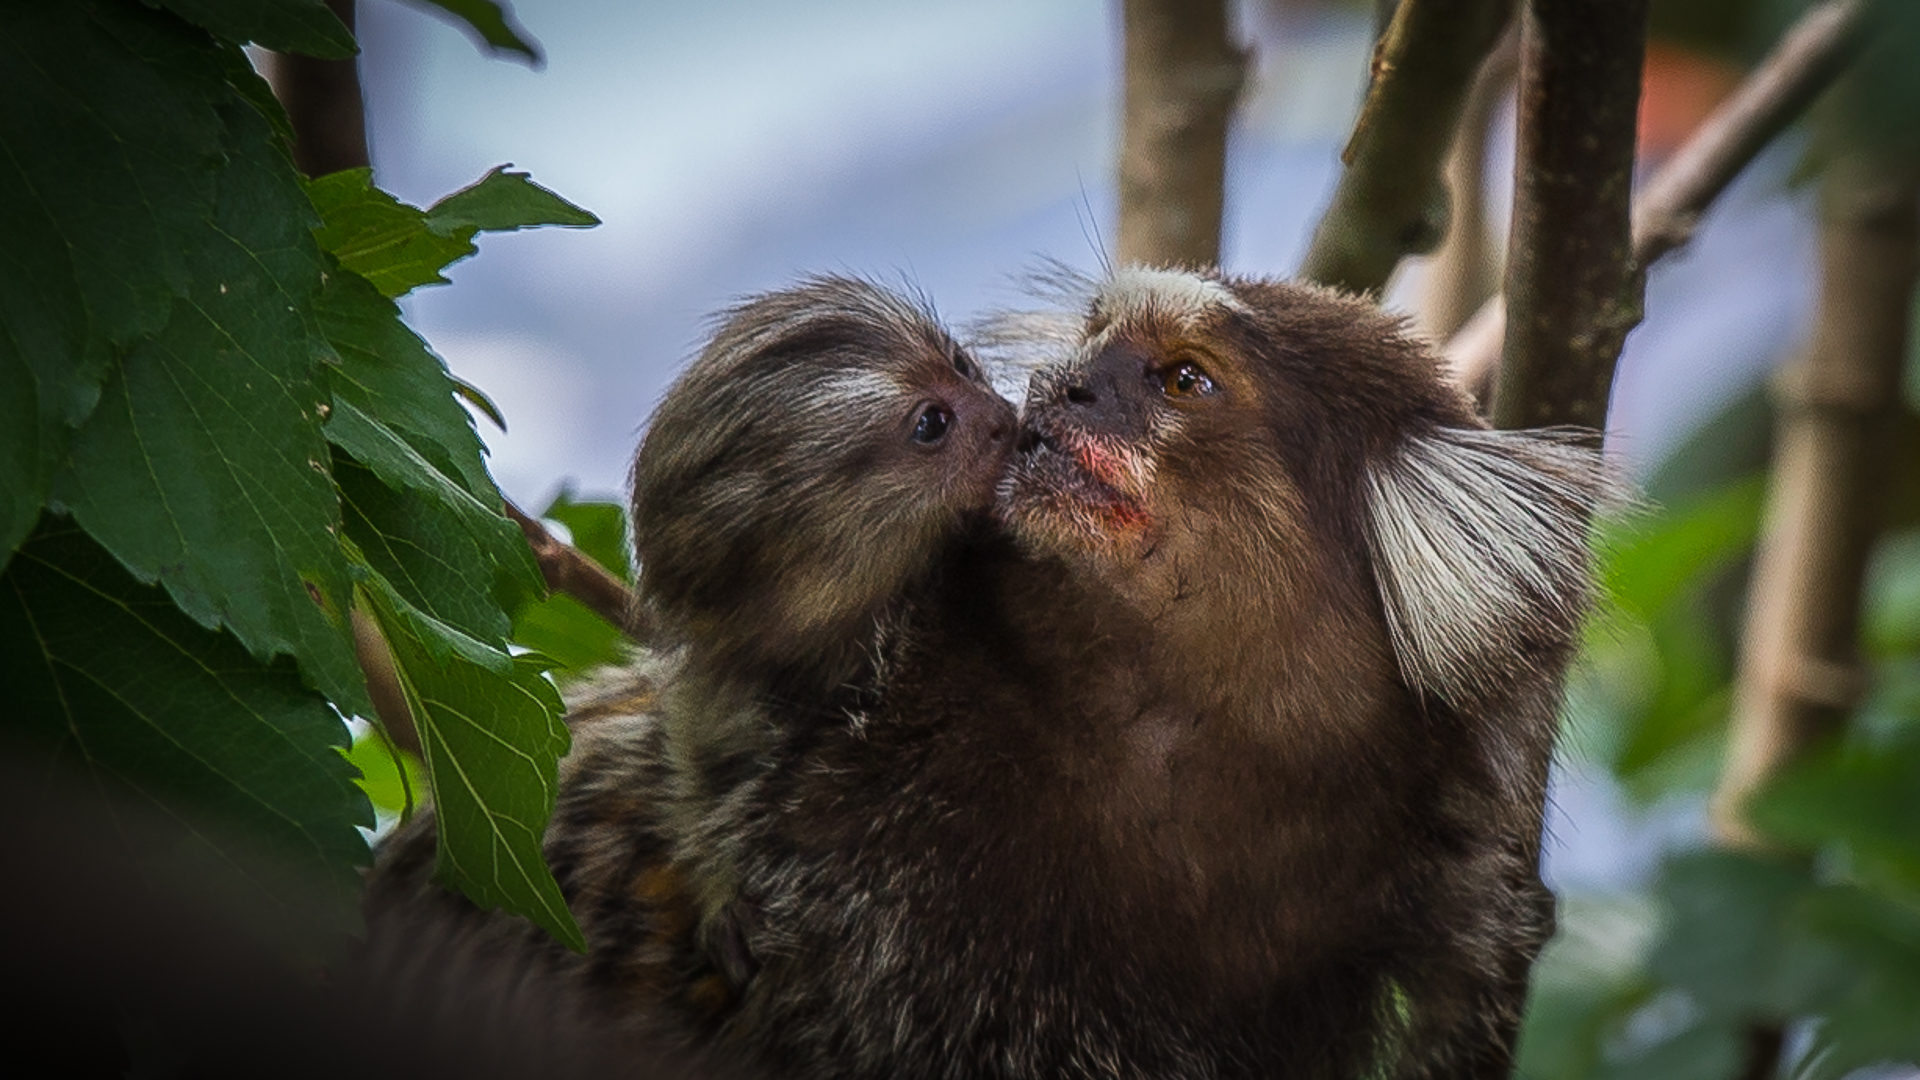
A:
[1479,544]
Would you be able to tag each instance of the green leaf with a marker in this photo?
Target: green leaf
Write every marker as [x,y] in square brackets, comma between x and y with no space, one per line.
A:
[204,467]
[562,627]
[494,25]
[1656,670]
[1675,742]
[1892,597]
[386,371]
[381,774]
[598,529]
[1650,562]
[379,237]
[1709,1049]
[109,146]
[1867,797]
[115,680]
[502,201]
[478,399]
[570,633]
[1724,944]
[299,26]
[1870,1009]
[399,248]
[491,736]
[457,560]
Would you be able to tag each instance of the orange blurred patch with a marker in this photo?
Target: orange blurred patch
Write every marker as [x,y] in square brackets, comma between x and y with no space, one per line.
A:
[1681,87]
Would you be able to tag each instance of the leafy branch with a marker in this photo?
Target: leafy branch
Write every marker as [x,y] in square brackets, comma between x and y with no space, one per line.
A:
[222,445]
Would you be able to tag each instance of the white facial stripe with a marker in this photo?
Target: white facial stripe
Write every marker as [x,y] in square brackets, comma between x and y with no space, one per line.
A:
[1139,292]
[853,386]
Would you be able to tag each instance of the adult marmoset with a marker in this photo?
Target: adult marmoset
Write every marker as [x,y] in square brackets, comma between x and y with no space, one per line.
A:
[815,463]
[1225,759]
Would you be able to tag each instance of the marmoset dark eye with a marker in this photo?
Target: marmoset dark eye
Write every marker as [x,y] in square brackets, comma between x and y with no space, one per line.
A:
[932,425]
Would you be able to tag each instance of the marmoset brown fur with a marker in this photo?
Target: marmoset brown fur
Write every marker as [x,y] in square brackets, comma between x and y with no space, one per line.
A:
[1224,756]
[1226,760]
[818,458]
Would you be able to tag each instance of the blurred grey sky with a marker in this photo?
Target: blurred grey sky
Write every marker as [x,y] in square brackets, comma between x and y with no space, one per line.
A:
[730,145]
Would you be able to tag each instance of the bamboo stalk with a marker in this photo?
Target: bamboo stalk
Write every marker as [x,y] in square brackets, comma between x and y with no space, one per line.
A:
[1799,675]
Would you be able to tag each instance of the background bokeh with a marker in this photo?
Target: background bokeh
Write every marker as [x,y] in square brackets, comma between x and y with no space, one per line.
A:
[733,144]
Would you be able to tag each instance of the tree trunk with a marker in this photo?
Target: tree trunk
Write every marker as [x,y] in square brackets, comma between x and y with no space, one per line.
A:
[1183,76]
[1572,289]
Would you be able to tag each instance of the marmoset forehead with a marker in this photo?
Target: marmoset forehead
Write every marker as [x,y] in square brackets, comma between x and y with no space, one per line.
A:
[1139,293]
[857,389]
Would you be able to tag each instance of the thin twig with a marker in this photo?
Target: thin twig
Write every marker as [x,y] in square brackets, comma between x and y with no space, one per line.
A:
[1390,202]
[568,570]
[1805,62]
[1183,76]
[1571,285]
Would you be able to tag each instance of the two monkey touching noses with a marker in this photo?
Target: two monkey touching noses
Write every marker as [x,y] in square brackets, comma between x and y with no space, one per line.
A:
[1193,721]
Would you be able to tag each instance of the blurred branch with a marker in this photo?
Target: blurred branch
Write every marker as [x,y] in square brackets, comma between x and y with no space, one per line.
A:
[1389,202]
[1183,77]
[1799,676]
[1465,271]
[1572,286]
[1809,57]
[569,570]
[1803,65]
[322,99]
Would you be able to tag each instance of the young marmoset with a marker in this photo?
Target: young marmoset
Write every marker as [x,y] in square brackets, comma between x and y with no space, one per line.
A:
[1226,760]
[813,465]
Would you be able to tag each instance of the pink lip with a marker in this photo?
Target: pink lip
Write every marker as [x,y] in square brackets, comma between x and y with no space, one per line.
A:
[1092,480]
[1100,464]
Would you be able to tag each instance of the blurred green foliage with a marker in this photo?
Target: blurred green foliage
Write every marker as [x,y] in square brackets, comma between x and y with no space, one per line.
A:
[1670,979]
[1665,981]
